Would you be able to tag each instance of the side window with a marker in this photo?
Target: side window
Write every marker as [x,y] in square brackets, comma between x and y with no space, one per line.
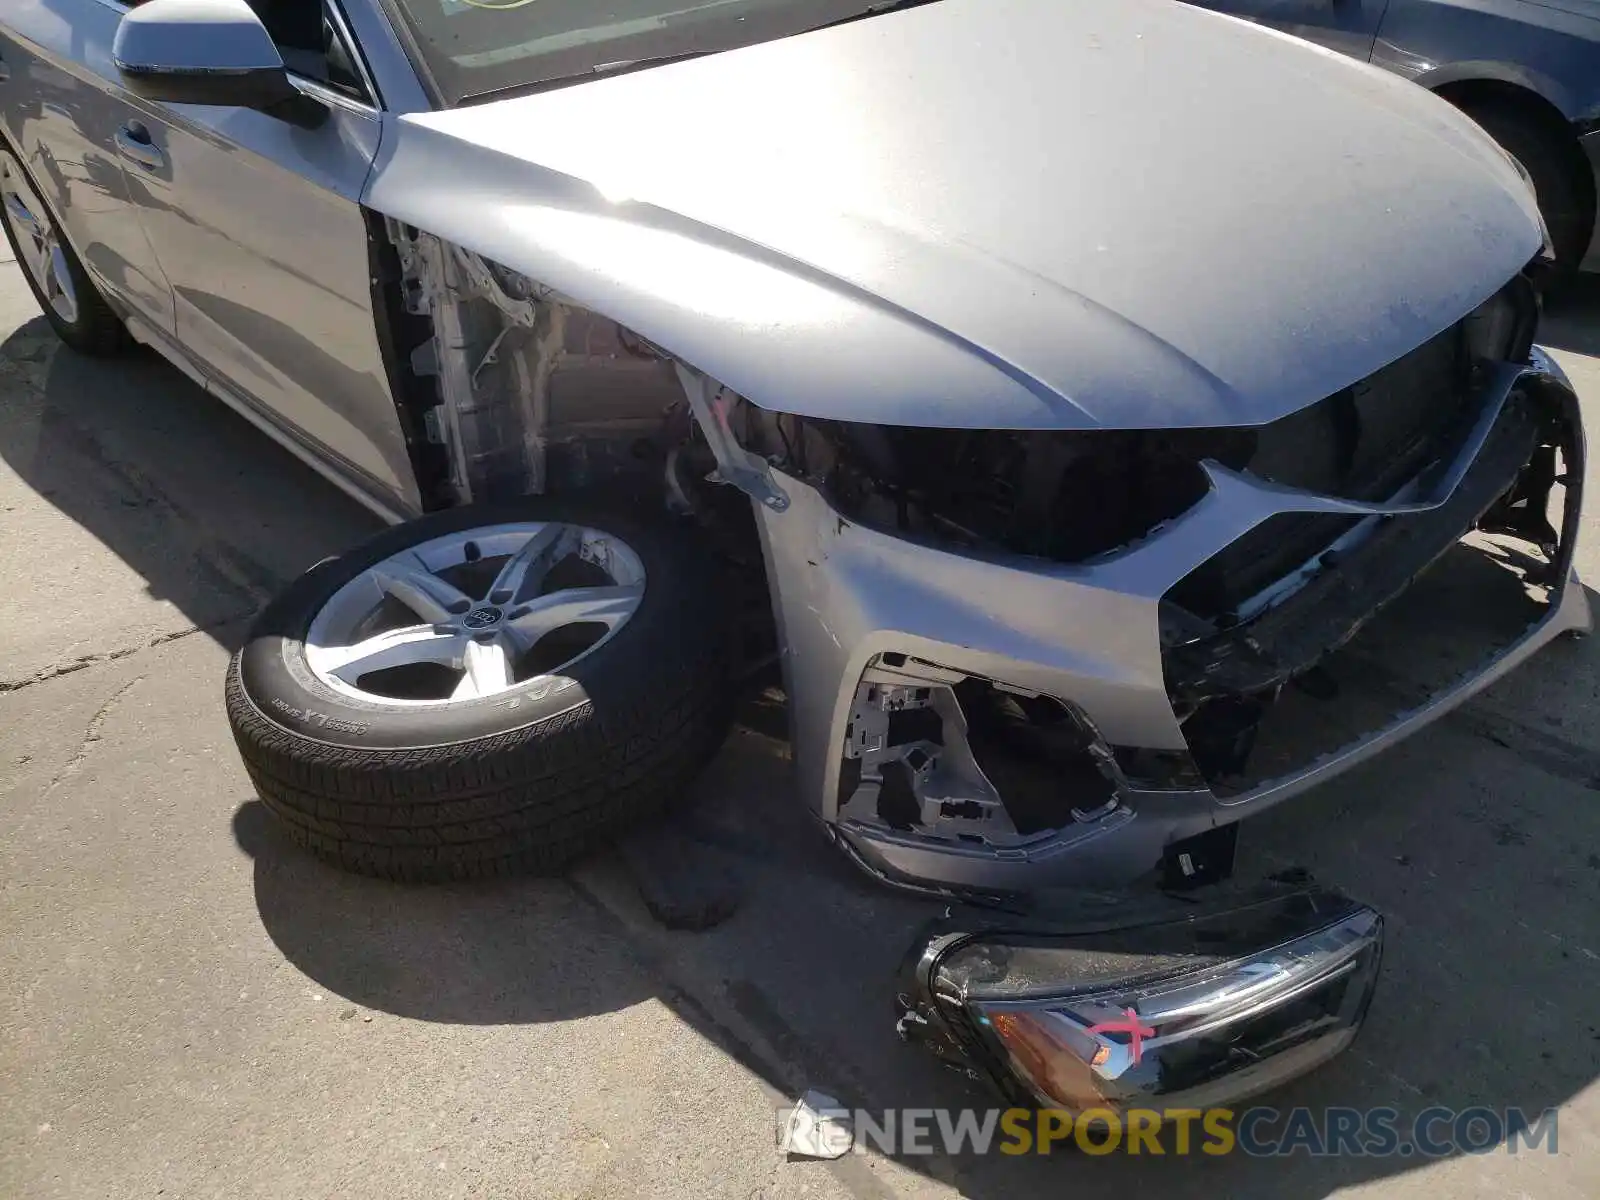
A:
[342,72]
[310,44]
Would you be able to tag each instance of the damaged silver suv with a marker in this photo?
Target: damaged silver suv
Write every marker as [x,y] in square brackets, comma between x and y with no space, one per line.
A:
[1126,418]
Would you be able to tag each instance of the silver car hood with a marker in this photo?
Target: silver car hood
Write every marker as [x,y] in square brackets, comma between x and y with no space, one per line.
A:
[993,213]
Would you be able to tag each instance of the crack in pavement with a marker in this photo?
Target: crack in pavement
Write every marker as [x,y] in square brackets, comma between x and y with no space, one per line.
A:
[1551,753]
[233,568]
[1480,717]
[91,734]
[224,568]
[84,661]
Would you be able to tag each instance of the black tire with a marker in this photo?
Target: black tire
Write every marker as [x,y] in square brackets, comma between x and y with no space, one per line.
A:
[487,787]
[97,332]
[1563,201]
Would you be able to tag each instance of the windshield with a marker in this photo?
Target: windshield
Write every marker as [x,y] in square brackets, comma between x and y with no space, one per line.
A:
[473,47]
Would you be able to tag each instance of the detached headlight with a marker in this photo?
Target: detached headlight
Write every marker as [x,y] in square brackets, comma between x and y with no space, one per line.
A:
[1180,1011]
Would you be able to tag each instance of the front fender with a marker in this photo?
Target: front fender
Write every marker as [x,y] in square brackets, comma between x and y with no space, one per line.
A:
[772,329]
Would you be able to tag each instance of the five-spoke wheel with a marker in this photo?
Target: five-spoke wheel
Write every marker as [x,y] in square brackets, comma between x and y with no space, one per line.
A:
[71,303]
[436,605]
[486,690]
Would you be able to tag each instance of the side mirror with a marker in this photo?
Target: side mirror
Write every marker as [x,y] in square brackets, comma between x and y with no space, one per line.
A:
[207,52]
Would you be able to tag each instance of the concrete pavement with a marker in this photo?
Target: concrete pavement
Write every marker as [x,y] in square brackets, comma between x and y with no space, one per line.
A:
[188,1007]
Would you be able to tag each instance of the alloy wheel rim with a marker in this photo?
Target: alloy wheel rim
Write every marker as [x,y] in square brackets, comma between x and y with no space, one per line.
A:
[482,613]
[42,253]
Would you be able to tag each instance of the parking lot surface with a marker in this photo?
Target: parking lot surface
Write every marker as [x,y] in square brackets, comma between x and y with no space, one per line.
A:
[190,1007]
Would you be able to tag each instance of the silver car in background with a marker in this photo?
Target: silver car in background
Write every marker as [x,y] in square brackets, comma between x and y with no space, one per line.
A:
[1121,419]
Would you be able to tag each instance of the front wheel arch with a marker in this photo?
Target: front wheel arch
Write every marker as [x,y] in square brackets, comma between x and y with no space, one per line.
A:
[94,327]
[1502,107]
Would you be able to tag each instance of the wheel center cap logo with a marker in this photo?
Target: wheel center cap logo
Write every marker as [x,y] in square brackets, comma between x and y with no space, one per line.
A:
[482,618]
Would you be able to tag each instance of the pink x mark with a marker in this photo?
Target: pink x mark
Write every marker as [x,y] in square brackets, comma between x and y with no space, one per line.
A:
[1131,1026]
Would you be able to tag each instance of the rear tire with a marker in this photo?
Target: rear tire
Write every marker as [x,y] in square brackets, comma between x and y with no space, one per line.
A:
[1562,200]
[520,780]
[71,302]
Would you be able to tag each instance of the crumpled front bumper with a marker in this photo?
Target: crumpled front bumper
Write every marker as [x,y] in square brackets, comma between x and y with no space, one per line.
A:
[1088,635]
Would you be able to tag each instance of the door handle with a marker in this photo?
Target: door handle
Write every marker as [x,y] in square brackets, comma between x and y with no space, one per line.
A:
[133,143]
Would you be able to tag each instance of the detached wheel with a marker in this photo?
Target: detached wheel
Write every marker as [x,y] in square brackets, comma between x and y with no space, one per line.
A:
[485,691]
[71,303]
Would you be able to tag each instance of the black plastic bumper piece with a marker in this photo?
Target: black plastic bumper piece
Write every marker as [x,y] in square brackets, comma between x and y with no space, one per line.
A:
[1290,638]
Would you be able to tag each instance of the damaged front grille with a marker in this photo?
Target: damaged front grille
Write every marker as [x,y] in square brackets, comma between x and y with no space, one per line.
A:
[1289,638]
[1062,496]
[1077,495]
[1257,619]
[1421,600]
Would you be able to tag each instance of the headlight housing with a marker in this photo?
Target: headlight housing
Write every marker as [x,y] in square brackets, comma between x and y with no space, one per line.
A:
[1193,1007]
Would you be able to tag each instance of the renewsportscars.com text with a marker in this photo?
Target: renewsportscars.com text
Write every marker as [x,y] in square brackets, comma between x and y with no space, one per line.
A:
[1261,1132]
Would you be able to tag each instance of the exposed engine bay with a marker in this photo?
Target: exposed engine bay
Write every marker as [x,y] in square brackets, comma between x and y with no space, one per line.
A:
[514,389]
[1021,664]
[529,392]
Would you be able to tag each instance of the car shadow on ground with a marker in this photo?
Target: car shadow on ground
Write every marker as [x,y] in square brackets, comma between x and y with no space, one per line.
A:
[1489,898]
[211,514]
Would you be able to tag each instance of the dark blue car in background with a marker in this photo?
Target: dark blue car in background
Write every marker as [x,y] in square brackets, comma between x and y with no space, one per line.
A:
[1528,72]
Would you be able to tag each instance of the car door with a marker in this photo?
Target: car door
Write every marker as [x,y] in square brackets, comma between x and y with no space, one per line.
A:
[257,223]
[61,105]
[1348,26]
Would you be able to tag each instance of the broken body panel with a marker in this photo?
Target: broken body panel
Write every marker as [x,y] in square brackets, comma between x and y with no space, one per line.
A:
[989,725]
[1072,527]
[875,624]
